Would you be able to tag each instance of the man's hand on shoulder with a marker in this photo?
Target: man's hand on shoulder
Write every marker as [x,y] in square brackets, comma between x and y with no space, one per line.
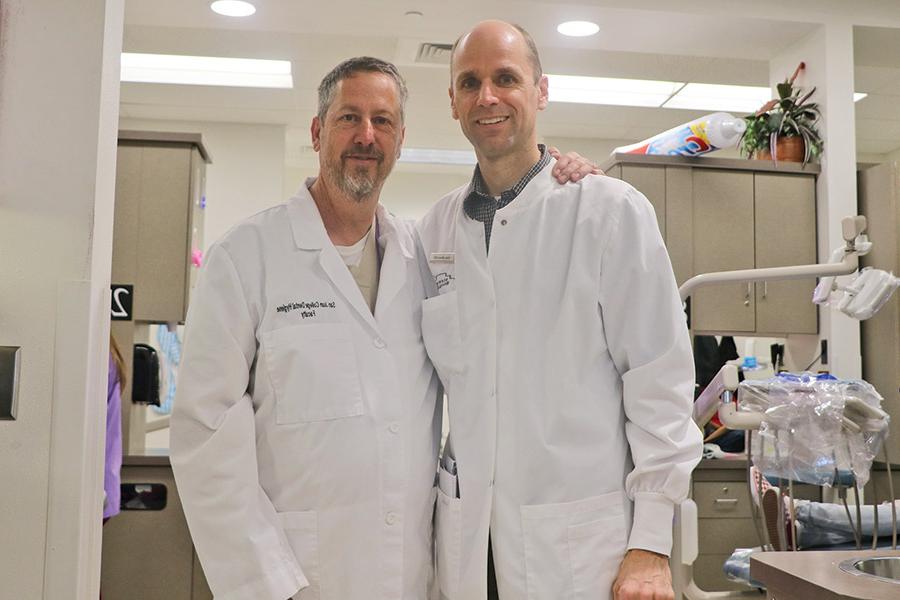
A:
[644,575]
[571,166]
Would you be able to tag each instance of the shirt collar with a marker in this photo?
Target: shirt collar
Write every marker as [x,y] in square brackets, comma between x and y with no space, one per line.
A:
[479,193]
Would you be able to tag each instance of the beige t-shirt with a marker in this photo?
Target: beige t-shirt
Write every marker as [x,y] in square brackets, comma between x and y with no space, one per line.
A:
[362,260]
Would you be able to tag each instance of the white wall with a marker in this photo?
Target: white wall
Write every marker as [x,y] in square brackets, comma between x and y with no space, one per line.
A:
[59,97]
[247,170]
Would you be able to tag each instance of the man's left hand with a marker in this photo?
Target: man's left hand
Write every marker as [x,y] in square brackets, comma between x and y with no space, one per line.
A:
[644,575]
[572,166]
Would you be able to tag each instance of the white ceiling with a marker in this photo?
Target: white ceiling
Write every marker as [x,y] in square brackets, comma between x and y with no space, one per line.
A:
[632,43]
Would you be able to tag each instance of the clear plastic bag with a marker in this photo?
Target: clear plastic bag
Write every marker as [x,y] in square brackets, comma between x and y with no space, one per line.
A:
[815,429]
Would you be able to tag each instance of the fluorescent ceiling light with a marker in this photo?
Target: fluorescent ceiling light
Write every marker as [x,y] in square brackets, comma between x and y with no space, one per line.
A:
[233,8]
[578,28]
[709,96]
[437,156]
[206,70]
[663,94]
[606,90]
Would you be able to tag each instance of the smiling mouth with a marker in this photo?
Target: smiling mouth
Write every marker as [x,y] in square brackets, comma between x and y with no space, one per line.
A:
[491,120]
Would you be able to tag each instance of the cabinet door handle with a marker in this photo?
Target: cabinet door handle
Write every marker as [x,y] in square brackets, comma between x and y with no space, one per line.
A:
[765,288]
[747,297]
[726,500]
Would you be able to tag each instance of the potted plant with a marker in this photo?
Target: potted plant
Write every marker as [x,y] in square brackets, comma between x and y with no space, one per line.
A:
[785,128]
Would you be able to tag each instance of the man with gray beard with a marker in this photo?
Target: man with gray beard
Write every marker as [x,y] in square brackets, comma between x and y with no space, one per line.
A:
[305,433]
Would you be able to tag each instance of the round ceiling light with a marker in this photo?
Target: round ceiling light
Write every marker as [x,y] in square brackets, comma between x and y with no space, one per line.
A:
[578,28]
[233,8]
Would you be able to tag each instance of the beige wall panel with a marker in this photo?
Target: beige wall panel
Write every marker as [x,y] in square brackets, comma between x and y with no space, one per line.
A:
[159,293]
[651,182]
[680,222]
[723,241]
[785,217]
[125,227]
[879,200]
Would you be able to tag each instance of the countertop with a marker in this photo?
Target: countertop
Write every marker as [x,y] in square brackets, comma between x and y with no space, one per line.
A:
[738,164]
[816,576]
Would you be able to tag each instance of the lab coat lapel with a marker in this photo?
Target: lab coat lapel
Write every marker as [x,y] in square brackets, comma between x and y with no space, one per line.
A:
[310,235]
[394,265]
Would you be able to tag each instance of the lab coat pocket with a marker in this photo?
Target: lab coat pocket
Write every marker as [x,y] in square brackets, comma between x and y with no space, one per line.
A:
[551,532]
[596,550]
[313,371]
[448,533]
[441,332]
[302,531]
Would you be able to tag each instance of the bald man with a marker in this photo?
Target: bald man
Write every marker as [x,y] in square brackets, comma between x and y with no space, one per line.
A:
[560,339]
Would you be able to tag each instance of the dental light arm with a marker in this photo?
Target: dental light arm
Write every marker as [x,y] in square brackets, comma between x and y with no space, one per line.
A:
[845,260]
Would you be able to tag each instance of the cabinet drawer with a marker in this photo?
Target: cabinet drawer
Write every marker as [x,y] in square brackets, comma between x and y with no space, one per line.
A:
[722,536]
[722,500]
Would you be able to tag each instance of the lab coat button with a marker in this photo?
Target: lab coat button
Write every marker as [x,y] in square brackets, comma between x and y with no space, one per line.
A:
[390,518]
[503,222]
[394,427]
[379,343]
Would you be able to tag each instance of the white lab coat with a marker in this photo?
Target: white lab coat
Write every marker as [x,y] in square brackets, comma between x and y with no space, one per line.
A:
[305,432]
[569,374]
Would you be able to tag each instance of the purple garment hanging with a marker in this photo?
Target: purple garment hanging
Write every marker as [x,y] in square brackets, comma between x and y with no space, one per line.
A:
[113,442]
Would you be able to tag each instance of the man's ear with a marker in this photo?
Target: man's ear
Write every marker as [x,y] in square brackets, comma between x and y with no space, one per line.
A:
[402,139]
[315,132]
[453,111]
[543,94]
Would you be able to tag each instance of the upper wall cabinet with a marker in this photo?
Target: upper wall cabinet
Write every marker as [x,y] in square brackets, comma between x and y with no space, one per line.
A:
[158,231]
[726,215]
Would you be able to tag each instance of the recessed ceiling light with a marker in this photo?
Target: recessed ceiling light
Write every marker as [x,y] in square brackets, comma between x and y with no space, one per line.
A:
[206,70]
[578,28]
[606,90]
[857,96]
[233,8]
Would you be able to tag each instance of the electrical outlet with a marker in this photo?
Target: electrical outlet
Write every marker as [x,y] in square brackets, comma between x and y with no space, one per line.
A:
[9,382]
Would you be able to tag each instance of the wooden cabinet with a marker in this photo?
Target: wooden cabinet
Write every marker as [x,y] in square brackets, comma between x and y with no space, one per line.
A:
[785,224]
[879,201]
[158,221]
[725,518]
[158,228]
[725,215]
[147,549]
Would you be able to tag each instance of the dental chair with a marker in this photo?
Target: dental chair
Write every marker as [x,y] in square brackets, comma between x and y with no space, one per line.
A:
[860,300]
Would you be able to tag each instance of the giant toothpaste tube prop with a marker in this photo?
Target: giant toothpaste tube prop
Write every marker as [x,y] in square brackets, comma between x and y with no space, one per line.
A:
[708,133]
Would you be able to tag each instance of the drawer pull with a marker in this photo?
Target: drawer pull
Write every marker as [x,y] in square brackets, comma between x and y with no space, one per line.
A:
[726,500]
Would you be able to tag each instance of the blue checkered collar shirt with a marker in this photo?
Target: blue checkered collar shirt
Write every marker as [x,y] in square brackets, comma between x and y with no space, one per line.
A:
[481,206]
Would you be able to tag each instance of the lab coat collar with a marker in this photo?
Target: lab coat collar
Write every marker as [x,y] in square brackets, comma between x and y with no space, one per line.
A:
[310,234]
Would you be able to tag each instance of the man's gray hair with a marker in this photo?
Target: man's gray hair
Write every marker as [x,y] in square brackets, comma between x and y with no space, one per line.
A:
[349,68]
[533,57]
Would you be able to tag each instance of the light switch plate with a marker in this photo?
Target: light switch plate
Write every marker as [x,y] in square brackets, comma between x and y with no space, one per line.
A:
[9,382]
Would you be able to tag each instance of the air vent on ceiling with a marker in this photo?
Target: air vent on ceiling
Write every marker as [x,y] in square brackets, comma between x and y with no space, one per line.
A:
[432,53]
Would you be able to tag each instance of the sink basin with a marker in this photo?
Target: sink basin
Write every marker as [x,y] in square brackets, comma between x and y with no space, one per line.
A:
[884,568]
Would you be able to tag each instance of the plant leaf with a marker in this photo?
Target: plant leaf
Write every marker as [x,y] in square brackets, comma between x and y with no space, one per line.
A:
[784,90]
